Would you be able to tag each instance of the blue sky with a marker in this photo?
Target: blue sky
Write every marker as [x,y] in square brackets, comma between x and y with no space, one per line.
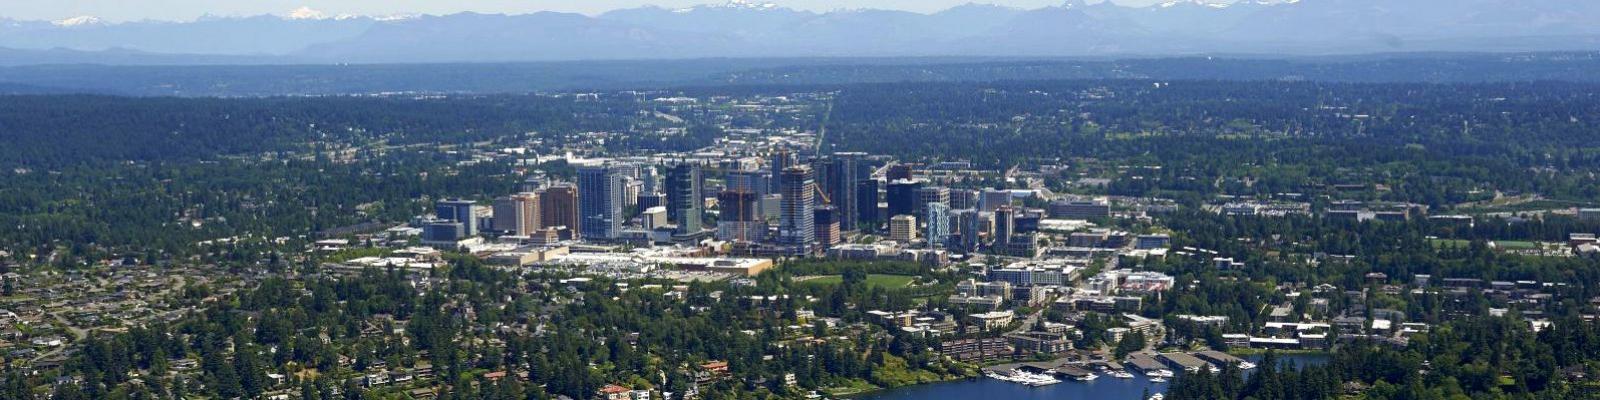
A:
[125,10]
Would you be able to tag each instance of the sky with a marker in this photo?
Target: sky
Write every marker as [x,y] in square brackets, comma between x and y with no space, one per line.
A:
[184,10]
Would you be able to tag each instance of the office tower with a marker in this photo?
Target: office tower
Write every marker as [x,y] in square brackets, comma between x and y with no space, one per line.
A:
[969,228]
[961,199]
[993,199]
[648,200]
[822,172]
[685,197]
[599,202]
[1005,225]
[867,199]
[748,181]
[899,172]
[827,223]
[754,182]
[780,161]
[796,223]
[631,190]
[931,195]
[517,214]
[849,170]
[938,224]
[902,196]
[459,211]
[649,180]
[740,217]
[903,228]
[558,208]
[739,205]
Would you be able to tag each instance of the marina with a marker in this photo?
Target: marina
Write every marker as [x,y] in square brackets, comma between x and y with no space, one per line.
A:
[1128,380]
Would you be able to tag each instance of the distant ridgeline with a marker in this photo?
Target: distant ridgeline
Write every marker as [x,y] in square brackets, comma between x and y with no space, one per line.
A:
[274,80]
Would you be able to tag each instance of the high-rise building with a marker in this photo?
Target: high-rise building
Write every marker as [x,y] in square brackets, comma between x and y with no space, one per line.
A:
[1005,225]
[780,161]
[754,182]
[738,205]
[938,224]
[600,202]
[685,197]
[796,222]
[969,227]
[649,200]
[558,208]
[827,223]
[517,214]
[632,190]
[822,172]
[740,217]
[867,199]
[993,199]
[931,195]
[649,179]
[458,210]
[899,172]
[748,181]
[848,170]
[903,228]
[961,199]
[902,197]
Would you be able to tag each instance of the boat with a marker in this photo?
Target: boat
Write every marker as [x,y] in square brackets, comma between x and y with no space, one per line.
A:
[1088,377]
[1035,380]
[1247,365]
[1158,380]
[1026,378]
[1120,374]
[1158,396]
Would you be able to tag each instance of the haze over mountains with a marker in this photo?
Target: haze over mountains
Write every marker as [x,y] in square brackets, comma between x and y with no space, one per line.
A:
[743,29]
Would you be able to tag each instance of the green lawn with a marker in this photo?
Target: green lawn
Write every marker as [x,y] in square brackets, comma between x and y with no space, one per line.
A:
[883,281]
[1515,245]
[1500,244]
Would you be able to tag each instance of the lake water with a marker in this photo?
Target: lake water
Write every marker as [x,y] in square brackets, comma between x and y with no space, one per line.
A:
[1106,387]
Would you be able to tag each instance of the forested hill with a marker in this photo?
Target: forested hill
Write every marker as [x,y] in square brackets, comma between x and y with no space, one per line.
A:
[1525,124]
[270,80]
[47,131]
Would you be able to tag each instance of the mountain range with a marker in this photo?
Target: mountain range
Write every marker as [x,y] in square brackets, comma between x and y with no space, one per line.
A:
[743,29]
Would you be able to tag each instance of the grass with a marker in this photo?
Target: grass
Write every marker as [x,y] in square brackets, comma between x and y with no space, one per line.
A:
[1499,244]
[883,281]
[1516,245]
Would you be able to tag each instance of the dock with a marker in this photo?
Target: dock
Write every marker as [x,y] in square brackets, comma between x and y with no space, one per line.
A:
[1182,361]
[1145,363]
[1219,358]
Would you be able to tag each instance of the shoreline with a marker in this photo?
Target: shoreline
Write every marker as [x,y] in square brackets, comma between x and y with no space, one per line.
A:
[877,389]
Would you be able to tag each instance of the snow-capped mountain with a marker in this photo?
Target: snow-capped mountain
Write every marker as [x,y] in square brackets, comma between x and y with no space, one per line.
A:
[82,20]
[755,28]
